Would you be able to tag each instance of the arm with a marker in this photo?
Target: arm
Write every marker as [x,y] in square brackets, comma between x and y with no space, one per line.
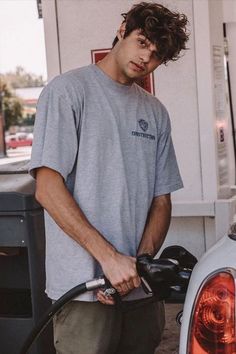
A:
[53,195]
[157,225]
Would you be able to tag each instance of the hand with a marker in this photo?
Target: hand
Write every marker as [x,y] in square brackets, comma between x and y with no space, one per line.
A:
[121,271]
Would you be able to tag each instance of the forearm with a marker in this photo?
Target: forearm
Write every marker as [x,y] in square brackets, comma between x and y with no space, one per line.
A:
[157,225]
[53,195]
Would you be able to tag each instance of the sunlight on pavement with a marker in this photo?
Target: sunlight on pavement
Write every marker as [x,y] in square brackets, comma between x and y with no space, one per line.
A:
[15,155]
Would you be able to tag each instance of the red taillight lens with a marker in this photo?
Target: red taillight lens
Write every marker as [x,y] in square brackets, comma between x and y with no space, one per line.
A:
[212,328]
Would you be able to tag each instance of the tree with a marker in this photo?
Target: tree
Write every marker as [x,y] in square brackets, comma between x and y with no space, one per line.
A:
[11,106]
[20,78]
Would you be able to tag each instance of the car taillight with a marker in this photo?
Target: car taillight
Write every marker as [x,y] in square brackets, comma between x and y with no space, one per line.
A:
[212,328]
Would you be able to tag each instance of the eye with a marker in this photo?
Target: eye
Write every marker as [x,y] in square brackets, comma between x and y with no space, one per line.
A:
[142,42]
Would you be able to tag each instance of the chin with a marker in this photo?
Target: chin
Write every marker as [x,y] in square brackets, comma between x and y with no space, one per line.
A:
[136,75]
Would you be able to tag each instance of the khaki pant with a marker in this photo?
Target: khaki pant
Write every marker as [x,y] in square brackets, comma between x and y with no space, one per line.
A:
[94,328]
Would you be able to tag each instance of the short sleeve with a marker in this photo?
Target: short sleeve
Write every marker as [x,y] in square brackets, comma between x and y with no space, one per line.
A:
[168,177]
[55,135]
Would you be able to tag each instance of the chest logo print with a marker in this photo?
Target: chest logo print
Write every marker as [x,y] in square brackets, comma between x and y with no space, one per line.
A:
[143,124]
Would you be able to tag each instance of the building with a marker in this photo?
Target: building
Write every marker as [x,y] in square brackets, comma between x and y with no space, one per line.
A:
[29,97]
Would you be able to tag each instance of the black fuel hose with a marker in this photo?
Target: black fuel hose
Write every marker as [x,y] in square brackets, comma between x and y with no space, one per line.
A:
[56,306]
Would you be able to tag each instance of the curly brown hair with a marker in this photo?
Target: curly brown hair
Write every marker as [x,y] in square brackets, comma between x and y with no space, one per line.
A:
[164,28]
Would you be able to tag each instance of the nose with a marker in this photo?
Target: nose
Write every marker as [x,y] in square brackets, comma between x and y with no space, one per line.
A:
[145,55]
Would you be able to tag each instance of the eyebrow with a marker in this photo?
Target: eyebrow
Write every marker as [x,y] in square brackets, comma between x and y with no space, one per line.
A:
[145,38]
[142,36]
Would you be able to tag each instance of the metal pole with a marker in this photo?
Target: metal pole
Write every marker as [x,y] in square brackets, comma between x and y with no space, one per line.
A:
[229,89]
[2,128]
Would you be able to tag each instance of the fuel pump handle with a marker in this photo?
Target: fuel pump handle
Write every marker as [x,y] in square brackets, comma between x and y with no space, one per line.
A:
[161,276]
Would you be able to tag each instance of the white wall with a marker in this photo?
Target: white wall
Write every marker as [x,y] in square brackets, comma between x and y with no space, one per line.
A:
[176,87]
[229,11]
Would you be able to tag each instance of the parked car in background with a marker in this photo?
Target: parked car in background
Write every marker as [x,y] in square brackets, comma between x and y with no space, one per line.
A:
[209,321]
[19,139]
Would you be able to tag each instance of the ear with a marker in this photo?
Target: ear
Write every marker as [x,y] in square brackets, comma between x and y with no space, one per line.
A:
[121,31]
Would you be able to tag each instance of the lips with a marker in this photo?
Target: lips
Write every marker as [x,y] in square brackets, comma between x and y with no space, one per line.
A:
[138,67]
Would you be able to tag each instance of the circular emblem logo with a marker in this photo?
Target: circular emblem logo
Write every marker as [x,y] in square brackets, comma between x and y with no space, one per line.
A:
[143,124]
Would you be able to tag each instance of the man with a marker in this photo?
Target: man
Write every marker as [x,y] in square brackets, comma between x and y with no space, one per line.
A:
[105,167]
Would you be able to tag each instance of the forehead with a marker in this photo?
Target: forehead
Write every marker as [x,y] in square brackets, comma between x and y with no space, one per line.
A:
[138,32]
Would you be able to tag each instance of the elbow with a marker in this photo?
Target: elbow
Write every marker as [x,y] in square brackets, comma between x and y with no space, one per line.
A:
[163,201]
[48,183]
[39,195]
[44,183]
[41,191]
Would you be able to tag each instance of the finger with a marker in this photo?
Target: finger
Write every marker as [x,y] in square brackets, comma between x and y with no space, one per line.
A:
[102,296]
[130,285]
[119,288]
[124,289]
[136,282]
[109,301]
[106,300]
[100,293]
[103,301]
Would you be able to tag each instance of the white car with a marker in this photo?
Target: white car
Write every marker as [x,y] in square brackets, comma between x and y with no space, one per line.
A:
[208,322]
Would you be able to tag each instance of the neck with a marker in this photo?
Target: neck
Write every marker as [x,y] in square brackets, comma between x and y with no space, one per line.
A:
[111,68]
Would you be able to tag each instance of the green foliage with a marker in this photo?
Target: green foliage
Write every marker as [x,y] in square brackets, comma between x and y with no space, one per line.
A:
[29,120]
[20,78]
[11,106]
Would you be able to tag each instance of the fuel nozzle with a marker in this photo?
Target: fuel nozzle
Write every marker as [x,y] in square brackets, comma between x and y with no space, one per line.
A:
[163,275]
[157,275]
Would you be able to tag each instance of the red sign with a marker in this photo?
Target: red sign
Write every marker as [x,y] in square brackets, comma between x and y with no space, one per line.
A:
[147,82]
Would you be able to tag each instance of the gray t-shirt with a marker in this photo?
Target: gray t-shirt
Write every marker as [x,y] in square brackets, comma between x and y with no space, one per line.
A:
[112,145]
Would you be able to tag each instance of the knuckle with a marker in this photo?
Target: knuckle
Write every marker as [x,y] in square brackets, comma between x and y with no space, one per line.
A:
[116,284]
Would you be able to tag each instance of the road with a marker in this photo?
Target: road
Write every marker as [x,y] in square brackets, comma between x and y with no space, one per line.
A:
[15,155]
[170,338]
